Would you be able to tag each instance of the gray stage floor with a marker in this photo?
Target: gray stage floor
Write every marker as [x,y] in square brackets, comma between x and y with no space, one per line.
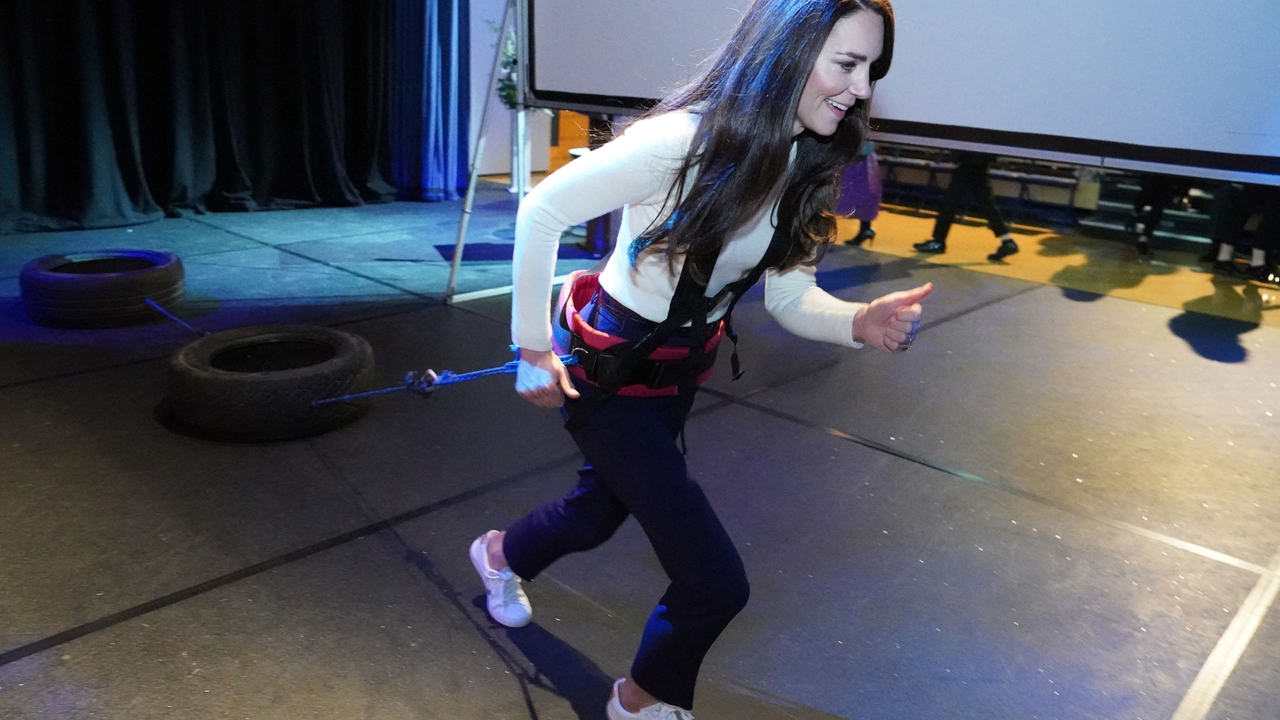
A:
[1048,509]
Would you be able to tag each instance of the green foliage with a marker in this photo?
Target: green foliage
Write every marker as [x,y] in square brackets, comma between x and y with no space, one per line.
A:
[507,71]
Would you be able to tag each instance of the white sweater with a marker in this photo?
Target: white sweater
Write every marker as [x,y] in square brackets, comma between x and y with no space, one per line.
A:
[634,172]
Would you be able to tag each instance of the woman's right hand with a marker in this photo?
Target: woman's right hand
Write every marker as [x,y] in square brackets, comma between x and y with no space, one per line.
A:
[542,379]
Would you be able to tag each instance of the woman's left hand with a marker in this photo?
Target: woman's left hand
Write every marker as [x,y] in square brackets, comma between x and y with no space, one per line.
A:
[890,322]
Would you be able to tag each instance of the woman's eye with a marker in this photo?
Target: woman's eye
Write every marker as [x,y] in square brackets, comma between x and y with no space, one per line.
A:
[848,66]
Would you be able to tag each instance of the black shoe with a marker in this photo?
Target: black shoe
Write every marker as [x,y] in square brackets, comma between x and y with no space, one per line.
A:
[1007,248]
[863,236]
[930,246]
[1144,248]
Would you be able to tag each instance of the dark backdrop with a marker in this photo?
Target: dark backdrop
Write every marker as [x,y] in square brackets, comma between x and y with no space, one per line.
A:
[119,111]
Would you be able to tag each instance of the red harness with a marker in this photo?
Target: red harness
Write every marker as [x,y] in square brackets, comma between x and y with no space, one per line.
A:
[577,291]
[649,367]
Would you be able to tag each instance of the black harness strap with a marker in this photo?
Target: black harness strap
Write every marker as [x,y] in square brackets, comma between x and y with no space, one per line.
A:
[689,304]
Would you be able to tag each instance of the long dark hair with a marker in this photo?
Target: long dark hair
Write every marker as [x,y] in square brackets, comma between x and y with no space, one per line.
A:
[746,98]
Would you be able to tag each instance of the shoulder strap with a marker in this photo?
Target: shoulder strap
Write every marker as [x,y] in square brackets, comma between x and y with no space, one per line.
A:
[779,245]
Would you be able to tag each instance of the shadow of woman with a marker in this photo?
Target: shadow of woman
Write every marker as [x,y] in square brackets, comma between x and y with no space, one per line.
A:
[1104,270]
[1212,325]
[557,667]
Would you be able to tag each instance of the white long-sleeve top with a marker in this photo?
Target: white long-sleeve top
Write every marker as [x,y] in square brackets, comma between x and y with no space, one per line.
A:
[634,172]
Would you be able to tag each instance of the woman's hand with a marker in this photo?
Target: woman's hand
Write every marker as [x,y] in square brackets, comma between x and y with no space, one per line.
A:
[542,380]
[890,322]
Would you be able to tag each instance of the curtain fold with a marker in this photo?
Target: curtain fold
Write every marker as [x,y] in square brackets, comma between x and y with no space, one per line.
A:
[115,112]
[431,98]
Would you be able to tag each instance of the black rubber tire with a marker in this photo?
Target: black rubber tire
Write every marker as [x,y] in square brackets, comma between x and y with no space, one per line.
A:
[101,289]
[258,383]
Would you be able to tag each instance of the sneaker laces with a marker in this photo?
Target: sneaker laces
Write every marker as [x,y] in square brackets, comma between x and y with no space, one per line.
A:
[510,587]
[672,712]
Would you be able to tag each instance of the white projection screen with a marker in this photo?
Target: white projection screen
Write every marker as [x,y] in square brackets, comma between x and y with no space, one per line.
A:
[1181,86]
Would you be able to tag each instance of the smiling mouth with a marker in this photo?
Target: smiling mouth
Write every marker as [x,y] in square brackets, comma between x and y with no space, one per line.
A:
[841,108]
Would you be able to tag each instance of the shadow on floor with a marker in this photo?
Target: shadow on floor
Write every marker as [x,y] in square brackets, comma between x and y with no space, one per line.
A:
[554,665]
[562,670]
[1100,274]
[1209,327]
[855,275]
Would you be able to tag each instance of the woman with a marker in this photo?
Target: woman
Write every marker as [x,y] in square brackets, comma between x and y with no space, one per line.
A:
[759,138]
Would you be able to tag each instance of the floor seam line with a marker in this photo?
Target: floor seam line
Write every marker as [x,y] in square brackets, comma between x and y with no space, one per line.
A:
[192,591]
[1226,654]
[980,306]
[87,371]
[1207,553]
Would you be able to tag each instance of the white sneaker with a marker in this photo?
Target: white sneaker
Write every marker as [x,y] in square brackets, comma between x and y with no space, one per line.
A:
[507,602]
[656,711]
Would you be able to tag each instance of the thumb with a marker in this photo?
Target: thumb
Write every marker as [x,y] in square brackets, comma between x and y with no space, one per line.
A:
[566,385]
[914,295]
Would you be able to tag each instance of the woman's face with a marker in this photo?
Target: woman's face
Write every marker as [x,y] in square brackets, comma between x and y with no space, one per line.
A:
[842,73]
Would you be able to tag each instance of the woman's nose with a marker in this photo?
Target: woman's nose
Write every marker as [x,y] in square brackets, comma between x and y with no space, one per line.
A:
[861,86]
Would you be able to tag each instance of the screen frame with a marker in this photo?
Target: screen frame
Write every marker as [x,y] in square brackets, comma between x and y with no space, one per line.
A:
[1262,169]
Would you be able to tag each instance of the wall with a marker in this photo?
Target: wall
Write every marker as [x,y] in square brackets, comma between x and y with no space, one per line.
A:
[486,17]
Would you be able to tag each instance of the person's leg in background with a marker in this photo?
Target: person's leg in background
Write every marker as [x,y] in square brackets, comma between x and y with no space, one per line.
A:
[1148,209]
[1266,240]
[969,172]
[870,208]
[1230,212]
[1220,210]
[865,233]
[860,194]
[995,219]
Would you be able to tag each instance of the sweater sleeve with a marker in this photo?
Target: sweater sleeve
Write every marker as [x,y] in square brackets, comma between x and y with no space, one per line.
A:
[794,299]
[636,167]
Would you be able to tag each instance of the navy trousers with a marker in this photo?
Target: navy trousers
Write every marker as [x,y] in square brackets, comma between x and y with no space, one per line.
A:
[635,468]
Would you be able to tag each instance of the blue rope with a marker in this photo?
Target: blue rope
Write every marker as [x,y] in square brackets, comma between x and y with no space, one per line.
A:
[156,306]
[422,383]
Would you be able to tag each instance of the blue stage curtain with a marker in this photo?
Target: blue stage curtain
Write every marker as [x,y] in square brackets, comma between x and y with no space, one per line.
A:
[430,105]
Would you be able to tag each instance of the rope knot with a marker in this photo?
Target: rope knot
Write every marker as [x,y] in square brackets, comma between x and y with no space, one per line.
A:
[419,383]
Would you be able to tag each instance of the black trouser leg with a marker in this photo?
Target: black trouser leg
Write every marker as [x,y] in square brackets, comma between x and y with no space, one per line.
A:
[990,210]
[1268,235]
[952,200]
[1229,213]
[968,179]
[1148,209]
